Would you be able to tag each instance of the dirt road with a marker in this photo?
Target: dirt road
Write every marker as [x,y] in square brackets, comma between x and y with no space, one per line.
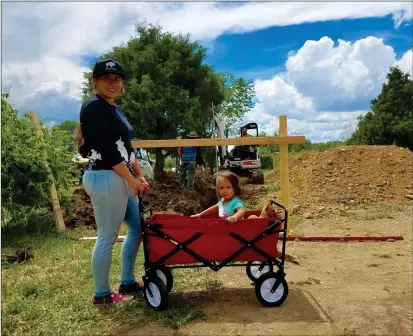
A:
[356,288]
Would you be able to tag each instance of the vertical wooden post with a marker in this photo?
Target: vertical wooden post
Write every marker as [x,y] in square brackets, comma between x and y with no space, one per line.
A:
[284,176]
[57,211]
[273,162]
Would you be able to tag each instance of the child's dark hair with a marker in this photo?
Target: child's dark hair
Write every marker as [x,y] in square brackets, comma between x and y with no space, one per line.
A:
[233,179]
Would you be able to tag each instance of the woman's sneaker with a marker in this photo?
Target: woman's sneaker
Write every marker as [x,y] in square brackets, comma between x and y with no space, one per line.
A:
[111,298]
[131,289]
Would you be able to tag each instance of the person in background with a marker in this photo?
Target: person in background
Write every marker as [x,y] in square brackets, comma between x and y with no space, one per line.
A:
[188,157]
[244,133]
[112,179]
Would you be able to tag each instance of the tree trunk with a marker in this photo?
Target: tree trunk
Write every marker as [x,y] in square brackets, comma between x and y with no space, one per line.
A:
[159,165]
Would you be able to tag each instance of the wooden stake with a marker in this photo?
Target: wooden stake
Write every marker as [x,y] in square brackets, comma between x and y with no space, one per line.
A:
[284,176]
[57,211]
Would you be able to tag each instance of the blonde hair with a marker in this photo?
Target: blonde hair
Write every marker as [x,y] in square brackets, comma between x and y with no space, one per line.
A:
[79,140]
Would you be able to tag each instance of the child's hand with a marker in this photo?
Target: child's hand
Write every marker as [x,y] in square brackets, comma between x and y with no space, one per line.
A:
[196,216]
[232,219]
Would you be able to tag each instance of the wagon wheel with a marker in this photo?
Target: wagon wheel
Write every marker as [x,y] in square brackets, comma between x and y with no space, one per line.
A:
[257,268]
[155,293]
[265,293]
[165,274]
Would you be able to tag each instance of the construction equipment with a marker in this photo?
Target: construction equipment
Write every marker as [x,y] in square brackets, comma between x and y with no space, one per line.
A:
[245,160]
[242,160]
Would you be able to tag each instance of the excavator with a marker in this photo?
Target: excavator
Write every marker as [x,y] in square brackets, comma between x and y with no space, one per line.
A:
[241,160]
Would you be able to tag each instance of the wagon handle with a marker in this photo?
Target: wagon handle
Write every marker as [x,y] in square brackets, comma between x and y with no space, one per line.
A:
[280,205]
[142,207]
[285,220]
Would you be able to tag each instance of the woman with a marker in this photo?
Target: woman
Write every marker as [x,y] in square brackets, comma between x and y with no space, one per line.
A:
[104,138]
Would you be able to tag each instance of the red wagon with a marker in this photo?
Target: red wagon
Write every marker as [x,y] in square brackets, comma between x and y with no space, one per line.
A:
[174,241]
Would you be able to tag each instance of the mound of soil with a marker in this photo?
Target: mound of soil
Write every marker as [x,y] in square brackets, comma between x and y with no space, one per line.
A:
[167,194]
[350,175]
[319,183]
[82,211]
[163,196]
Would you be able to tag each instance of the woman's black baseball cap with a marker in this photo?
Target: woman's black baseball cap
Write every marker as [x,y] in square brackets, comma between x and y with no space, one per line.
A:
[108,66]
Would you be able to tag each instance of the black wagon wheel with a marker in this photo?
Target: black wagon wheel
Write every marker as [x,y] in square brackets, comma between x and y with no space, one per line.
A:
[155,293]
[267,294]
[257,268]
[165,274]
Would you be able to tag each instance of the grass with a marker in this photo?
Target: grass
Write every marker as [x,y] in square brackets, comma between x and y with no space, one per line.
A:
[51,293]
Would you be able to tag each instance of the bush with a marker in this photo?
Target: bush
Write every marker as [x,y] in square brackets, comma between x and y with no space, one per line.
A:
[25,182]
[169,162]
[267,162]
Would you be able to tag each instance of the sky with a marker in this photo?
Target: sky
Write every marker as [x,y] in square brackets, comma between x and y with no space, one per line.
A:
[319,63]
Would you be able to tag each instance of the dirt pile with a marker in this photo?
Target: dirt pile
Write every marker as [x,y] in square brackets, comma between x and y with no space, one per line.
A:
[350,175]
[82,211]
[165,195]
[319,183]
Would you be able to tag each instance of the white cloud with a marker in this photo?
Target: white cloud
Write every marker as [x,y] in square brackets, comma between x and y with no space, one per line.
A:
[315,130]
[47,74]
[347,72]
[321,77]
[44,43]
[275,96]
[406,62]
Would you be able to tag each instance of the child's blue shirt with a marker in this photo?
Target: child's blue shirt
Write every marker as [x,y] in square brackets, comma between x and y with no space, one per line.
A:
[228,209]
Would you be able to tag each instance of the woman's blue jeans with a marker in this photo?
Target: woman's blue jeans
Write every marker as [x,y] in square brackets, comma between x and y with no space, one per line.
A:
[113,203]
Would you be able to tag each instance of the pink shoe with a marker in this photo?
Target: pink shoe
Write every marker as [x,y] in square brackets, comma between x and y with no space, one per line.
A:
[131,289]
[111,298]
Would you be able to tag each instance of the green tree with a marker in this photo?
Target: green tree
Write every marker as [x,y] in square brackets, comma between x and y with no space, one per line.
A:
[390,120]
[66,131]
[169,90]
[238,95]
[268,149]
[68,125]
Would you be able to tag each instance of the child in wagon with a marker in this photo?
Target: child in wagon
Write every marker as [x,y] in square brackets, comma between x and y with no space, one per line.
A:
[230,206]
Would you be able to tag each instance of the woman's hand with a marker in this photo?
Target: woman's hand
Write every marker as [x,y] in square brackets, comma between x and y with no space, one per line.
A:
[144,182]
[137,186]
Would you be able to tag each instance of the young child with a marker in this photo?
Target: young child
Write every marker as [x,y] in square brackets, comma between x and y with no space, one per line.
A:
[230,206]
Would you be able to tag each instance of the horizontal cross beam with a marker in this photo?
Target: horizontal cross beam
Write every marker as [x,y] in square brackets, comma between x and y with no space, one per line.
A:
[283,140]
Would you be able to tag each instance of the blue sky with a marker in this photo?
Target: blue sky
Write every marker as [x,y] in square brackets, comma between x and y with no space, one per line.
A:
[291,52]
[265,52]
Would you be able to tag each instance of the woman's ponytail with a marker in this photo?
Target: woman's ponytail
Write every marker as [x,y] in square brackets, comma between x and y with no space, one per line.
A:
[79,141]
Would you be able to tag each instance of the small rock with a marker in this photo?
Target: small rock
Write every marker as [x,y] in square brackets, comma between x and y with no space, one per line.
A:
[308,215]
[410,197]
[295,209]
